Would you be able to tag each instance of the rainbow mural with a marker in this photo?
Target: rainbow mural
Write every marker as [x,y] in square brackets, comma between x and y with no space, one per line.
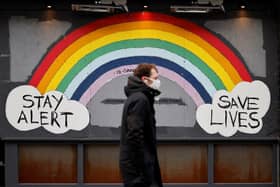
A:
[86,59]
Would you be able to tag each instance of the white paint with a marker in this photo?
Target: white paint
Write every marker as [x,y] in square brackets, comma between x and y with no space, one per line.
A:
[240,110]
[27,109]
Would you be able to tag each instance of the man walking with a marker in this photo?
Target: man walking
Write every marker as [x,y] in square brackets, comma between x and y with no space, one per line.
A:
[139,164]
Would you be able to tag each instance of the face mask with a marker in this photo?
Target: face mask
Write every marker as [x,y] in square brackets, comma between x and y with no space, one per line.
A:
[157,98]
[155,84]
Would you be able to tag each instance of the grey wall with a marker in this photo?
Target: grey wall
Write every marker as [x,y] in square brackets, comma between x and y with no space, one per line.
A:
[29,40]
[247,39]
[179,111]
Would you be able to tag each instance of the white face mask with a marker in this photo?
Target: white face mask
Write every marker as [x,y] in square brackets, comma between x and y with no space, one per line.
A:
[155,84]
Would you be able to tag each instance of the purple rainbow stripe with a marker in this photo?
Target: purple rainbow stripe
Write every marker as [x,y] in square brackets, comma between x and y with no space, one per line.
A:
[109,75]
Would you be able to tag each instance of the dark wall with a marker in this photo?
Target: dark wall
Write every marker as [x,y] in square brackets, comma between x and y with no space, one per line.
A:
[267,15]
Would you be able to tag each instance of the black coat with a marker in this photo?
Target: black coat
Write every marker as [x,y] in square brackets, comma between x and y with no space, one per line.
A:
[138,153]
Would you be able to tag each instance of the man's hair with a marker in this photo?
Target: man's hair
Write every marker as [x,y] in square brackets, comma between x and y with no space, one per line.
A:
[144,70]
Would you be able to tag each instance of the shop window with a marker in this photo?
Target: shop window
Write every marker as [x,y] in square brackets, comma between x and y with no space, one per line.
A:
[179,163]
[47,163]
[243,164]
[183,163]
[101,163]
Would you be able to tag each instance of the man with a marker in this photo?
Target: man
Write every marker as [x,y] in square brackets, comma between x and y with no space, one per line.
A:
[138,154]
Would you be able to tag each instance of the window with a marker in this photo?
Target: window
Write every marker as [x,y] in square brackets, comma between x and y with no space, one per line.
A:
[179,163]
[101,163]
[47,163]
[243,163]
[183,163]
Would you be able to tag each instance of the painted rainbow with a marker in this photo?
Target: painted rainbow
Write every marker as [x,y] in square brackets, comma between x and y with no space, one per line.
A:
[86,59]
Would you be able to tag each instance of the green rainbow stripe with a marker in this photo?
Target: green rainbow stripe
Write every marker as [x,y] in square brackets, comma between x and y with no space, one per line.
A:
[140,43]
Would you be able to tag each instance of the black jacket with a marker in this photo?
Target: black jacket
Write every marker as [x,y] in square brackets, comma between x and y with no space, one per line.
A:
[138,154]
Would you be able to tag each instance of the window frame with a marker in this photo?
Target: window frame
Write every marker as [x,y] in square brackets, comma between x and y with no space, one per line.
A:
[11,160]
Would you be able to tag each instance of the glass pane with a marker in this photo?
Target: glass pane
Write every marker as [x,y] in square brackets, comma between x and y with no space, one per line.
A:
[102,164]
[47,163]
[183,163]
[179,163]
[243,164]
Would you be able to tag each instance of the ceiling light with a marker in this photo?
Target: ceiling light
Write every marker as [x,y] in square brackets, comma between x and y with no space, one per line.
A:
[108,8]
[199,6]
[196,9]
[102,6]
